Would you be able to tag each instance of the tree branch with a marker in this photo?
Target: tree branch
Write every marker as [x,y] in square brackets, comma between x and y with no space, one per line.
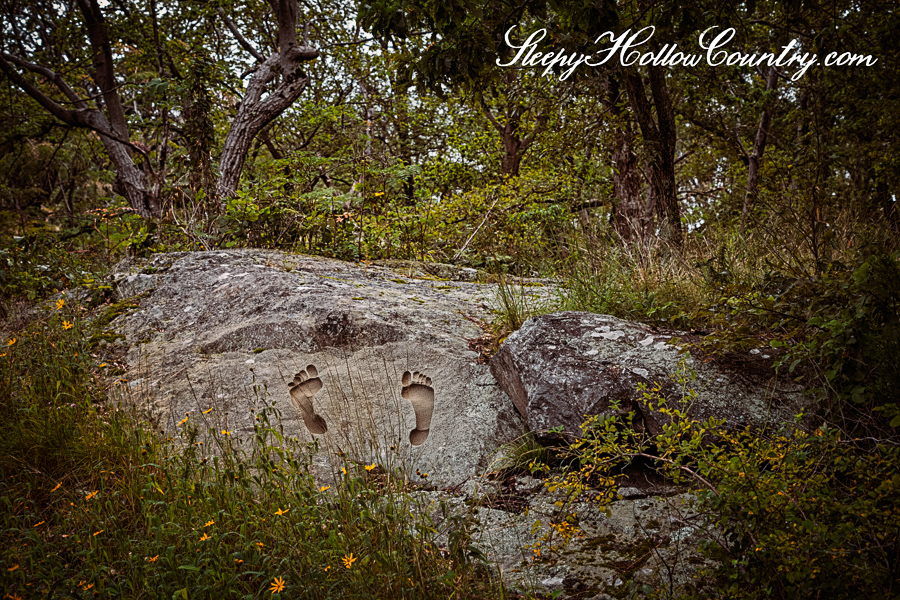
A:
[490,115]
[246,45]
[63,114]
[683,156]
[539,127]
[286,14]
[85,118]
[50,75]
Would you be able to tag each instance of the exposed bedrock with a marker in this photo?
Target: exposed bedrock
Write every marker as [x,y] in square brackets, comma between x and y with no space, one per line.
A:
[368,360]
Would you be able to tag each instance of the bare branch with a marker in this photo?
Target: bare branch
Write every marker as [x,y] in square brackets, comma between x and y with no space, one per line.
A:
[490,115]
[50,75]
[306,33]
[63,114]
[85,118]
[683,156]
[539,126]
[246,45]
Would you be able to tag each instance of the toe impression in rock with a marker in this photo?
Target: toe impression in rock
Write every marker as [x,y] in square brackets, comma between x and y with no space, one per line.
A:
[417,389]
[305,386]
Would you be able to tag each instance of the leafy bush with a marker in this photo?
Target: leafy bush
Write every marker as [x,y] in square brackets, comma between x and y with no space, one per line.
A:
[837,331]
[36,265]
[789,514]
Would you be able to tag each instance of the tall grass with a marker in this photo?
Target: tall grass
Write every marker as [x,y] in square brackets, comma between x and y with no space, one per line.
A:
[95,504]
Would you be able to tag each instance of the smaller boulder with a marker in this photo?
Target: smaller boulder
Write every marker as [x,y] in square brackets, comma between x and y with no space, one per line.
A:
[561,368]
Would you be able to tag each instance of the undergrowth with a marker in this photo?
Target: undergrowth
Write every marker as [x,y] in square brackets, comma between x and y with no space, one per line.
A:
[96,504]
[787,513]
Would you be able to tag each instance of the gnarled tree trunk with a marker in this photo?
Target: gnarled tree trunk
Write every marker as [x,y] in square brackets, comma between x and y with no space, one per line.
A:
[255,113]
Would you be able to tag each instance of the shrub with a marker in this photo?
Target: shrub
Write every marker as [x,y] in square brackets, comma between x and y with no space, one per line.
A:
[789,513]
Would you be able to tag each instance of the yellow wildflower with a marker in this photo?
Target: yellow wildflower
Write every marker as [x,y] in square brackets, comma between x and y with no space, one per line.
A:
[260,544]
[57,487]
[11,342]
[226,432]
[210,522]
[324,487]
[68,325]
[91,495]
[60,303]
[99,532]
[154,559]
[348,560]
[39,524]
[370,467]
[280,512]
[13,568]
[204,538]
[277,585]
[208,410]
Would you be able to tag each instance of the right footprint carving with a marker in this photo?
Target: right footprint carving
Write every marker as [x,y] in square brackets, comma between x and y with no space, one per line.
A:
[417,389]
[305,386]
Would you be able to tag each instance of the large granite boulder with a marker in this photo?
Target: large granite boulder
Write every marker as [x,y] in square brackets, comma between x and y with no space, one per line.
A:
[562,367]
[374,365]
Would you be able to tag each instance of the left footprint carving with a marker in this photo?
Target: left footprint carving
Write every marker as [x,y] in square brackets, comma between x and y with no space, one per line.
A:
[305,386]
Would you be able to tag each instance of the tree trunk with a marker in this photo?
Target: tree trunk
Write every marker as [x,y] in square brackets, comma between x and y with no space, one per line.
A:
[514,146]
[512,149]
[254,113]
[629,209]
[112,126]
[759,147]
[659,137]
[129,179]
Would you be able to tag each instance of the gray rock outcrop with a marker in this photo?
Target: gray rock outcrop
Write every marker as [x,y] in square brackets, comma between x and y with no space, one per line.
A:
[642,539]
[354,356]
[562,367]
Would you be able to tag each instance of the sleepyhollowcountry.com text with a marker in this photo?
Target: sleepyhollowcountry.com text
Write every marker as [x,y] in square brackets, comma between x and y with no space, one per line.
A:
[625,47]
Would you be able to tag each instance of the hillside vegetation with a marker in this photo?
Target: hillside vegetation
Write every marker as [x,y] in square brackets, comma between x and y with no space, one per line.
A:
[755,210]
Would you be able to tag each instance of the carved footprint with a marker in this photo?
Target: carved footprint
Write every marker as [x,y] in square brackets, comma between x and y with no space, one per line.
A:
[305,386]
[417,389]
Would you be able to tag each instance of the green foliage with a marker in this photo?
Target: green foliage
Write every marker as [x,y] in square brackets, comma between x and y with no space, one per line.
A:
[96,504]
[496,226]
[520,455]
[794,513]
[835,331]
[35,265]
